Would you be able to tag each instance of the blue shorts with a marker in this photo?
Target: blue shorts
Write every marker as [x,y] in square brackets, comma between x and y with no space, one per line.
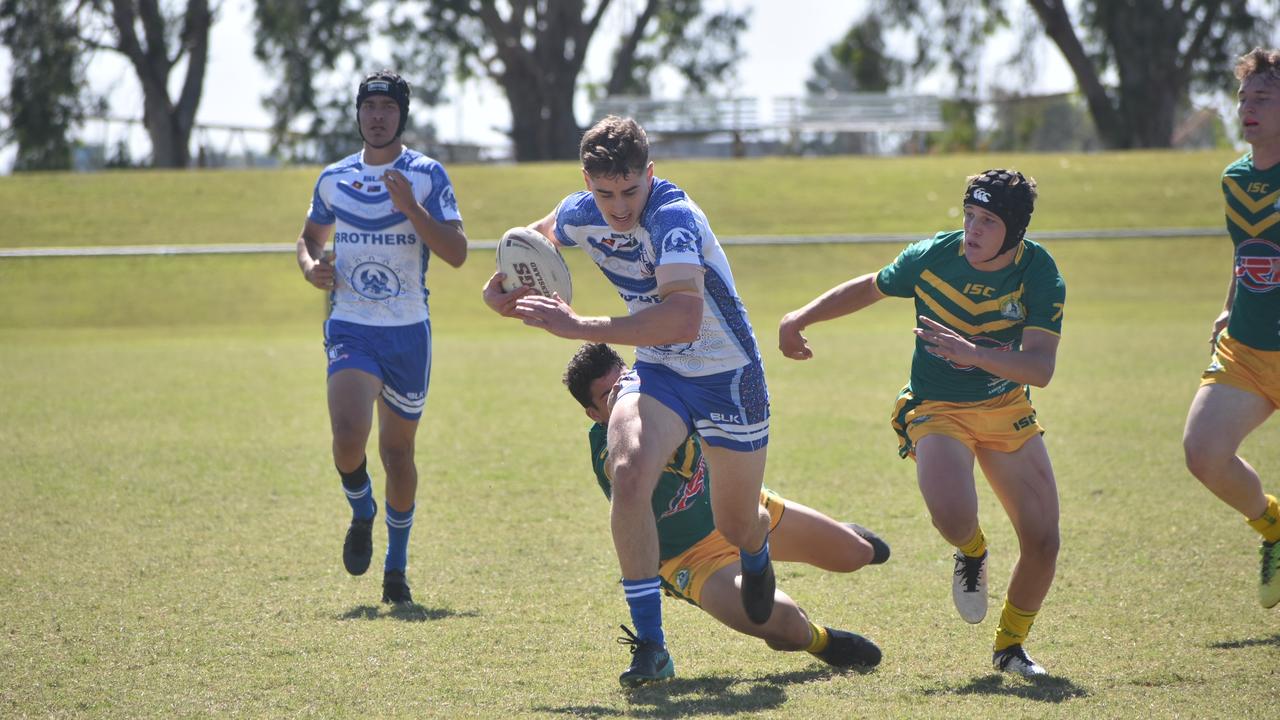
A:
[399,356]
[728,409]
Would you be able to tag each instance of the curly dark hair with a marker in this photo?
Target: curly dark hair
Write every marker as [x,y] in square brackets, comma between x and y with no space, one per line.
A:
[614,147]
[1259,61]
[589,364]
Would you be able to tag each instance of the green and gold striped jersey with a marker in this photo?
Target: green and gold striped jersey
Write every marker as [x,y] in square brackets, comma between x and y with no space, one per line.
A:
[682,500]
[1253,221]
[991,309]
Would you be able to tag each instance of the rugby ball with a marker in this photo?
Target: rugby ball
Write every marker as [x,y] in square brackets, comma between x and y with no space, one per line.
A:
[529,258]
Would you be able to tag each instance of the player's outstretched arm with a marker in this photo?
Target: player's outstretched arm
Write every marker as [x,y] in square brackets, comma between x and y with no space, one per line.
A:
[843,299]
[316,267]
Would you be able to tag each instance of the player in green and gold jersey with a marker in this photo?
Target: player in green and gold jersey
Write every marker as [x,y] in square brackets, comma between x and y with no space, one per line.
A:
[989,303]
[1241,387]
[698,564]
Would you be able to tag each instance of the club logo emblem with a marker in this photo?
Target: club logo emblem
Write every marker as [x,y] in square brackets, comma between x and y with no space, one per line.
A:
[1258,265]
[375,281]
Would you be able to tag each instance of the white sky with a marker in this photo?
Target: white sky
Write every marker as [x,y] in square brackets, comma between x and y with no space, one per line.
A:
[780,44]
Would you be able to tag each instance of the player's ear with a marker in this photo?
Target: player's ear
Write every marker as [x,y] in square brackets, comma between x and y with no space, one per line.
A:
[595,416]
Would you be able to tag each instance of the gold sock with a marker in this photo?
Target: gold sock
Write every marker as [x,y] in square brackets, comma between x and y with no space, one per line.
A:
[819,640]
[1268,524]
[1014,626]
[976,546]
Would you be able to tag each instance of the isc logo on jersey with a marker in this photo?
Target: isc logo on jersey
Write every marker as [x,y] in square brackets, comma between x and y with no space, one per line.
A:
[1258,265]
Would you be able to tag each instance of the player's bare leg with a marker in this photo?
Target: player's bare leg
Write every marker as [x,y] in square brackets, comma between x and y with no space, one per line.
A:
[1220,418]
[944,471]
[788,627]
[643,434]
[1023,482]
[735,502]
[808,536]
[352,394]
[396,437]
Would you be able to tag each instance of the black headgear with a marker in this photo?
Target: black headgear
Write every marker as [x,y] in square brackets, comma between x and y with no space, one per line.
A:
[385,82]
[1010,196]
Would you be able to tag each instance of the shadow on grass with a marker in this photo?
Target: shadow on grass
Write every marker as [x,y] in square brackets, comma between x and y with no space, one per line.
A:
[413,612]
[712,695]
[1043,688]
[1247,642]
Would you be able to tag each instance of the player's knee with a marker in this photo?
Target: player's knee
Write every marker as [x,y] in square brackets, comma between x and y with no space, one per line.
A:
[1042,546]
[630,482]
[1202,459]
[397,459]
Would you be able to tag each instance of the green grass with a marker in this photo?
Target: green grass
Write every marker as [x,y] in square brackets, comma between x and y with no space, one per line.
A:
[775,196]
[173,521]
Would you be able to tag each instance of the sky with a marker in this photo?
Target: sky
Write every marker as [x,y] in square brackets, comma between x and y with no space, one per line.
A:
[780,44]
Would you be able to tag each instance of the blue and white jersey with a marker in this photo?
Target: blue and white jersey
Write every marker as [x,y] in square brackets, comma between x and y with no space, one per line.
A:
[672,230]
[380,262]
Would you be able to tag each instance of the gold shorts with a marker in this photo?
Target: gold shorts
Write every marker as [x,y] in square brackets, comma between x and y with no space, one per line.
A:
[1003,423]
[684,575]
[1245,368]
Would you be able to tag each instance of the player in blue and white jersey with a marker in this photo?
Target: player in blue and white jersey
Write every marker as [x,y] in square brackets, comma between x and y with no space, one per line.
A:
[388,209]
[698,367]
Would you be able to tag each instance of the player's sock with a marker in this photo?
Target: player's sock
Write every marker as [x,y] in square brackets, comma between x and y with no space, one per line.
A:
[359,491]
[1268,524]
[644,598]
[1014,626]
[398,526]
[976,546]
[755,562]
[819,639]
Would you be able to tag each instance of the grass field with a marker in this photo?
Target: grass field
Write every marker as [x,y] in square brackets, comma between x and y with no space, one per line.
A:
[174,523]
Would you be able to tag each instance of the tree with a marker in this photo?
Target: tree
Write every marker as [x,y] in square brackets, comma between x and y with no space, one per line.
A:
[45,79]
[858,62]
[1159,51]
[167,39]
[533,49]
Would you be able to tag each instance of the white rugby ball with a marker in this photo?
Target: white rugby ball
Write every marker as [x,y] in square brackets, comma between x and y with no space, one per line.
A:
[528,258]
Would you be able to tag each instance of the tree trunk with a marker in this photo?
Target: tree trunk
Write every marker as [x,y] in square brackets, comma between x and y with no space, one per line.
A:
[168,125]
[1057,25]
[624,59]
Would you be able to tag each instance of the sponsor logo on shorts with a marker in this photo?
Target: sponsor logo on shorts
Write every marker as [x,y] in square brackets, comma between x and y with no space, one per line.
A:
[921,419]
[682,579]
[1024,423]
[336,353]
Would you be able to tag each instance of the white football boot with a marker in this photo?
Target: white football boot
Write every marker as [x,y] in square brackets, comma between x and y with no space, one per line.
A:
[969,587]
[1015,660]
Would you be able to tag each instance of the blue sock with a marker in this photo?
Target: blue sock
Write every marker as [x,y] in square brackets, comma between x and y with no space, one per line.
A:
[398,526]
[359,492]
[644,597]
[756,562]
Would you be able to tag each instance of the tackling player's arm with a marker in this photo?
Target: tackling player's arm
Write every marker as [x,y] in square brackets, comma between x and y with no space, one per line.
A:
[677,319]
[843,299]
[1032,365]
[445,239]
[316,267]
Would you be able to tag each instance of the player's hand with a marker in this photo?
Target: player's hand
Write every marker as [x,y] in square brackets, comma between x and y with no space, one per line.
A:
[549,313]
[790,341]
[320,272]
[946,343]
[400,190]
[503,303]
[1219,325]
